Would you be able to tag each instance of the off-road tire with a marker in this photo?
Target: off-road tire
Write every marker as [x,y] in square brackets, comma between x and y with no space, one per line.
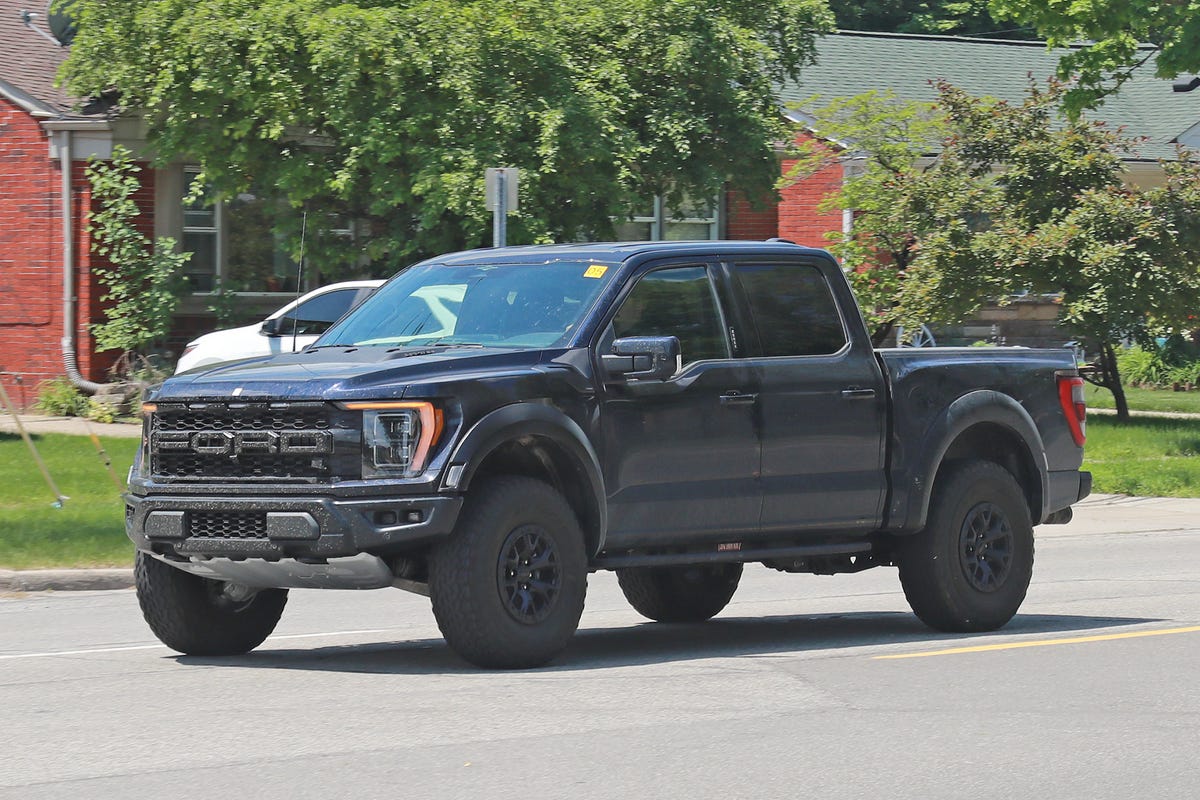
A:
[690,593]
[191,614]
[480,607]
[970,567]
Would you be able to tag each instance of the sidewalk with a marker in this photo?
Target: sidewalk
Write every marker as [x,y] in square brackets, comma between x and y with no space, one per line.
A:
[76,426]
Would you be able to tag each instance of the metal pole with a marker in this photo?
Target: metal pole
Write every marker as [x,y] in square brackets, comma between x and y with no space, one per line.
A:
[59,497]
[500,214]
[103,454]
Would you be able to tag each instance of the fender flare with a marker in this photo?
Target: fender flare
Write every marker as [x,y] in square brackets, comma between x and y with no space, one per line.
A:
[913,489]
[520,420]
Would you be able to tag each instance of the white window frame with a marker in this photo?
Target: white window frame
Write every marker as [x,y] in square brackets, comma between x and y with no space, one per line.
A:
[661,219]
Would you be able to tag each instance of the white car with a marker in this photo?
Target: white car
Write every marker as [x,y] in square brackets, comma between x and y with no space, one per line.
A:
[310,315]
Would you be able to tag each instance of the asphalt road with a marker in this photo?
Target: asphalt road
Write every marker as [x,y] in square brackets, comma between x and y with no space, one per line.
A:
[804,687]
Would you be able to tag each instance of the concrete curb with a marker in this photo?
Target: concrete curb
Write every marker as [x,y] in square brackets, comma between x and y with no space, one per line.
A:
[64,580]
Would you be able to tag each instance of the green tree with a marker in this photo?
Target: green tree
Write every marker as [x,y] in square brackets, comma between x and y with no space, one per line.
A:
[141,278]
[389,112]
[1016,198]
[951,17]
[886,147]
[1105,37]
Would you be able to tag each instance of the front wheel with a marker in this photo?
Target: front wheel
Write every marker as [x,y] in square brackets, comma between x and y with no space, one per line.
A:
[202,617]
[970,567]
[508,585]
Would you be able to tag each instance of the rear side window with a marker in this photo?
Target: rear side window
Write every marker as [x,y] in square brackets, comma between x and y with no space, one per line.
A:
[793,309]
[675,302]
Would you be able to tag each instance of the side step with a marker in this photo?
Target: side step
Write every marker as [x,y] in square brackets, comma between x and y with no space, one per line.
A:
[637,558]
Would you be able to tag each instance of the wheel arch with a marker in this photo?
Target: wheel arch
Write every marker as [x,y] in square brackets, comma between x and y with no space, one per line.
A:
[538,441]
[984,425]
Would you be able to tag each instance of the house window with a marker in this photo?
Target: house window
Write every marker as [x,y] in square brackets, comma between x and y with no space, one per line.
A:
[235,245]
[659,222]
[201,234]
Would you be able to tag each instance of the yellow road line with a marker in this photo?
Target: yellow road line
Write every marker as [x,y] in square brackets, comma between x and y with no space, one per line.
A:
[984,648]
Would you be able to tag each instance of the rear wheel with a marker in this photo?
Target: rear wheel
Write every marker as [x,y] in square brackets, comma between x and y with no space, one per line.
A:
[508,585]
[202,617]
[970,568]
[690,593]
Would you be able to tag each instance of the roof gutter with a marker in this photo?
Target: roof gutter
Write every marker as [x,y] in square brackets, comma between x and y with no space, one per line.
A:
[70,362]
[26,101]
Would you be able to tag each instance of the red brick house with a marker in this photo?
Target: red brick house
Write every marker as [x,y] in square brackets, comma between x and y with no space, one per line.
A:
[49,298]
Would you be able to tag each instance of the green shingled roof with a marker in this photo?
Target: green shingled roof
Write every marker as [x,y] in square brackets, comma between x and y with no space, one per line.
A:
[850,63]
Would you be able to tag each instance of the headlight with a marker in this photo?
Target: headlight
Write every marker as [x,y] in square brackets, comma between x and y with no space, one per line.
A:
[397,437]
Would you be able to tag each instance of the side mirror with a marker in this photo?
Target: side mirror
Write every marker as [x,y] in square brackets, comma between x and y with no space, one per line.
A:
[655,358]
[273,326]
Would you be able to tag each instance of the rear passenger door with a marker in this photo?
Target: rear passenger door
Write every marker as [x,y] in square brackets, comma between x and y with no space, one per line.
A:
[821,398]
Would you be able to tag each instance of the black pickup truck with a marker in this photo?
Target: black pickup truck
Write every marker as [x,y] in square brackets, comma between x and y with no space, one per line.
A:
[493,425]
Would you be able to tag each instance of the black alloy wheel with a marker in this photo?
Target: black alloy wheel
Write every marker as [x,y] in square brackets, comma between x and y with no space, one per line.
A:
[529,577]
[986,547]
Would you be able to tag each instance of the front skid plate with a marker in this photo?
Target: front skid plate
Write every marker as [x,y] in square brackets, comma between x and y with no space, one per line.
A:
[363,571]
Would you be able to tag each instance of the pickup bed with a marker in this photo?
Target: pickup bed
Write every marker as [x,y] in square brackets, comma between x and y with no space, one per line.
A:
[671,411]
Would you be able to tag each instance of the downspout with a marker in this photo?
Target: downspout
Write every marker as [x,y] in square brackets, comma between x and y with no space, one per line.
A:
[68,340]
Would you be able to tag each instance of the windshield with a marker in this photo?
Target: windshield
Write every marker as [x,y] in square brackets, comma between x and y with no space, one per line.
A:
[500,305]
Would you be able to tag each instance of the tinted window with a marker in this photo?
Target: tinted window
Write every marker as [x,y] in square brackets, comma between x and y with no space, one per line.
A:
[316,315]
[675,302]
[793,309]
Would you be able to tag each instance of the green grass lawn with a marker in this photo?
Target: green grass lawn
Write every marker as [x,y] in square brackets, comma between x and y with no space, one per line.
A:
[89,530]
[1146,399]
[1156,457]
[1149,457]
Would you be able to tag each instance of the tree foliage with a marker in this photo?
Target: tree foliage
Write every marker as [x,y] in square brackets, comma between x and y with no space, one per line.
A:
[949,17]
[389,111]
[1105,36]
[142,279]
[1015,198]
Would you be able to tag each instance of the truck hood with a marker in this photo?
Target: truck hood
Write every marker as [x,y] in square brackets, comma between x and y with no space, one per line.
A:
[345,373]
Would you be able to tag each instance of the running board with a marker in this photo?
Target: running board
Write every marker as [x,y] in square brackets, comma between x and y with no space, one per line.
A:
[636,559]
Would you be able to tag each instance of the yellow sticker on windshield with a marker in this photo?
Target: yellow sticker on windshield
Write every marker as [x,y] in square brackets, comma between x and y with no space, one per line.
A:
[595,271]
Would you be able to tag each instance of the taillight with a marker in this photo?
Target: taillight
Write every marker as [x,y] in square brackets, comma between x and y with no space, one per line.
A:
[1074,407]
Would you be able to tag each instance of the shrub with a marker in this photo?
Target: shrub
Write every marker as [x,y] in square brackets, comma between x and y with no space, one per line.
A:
[99,411]
[1142,366]
[60,398]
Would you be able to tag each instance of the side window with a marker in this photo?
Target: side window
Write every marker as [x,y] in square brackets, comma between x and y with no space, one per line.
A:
[794,311]
[675,302]
[316,315]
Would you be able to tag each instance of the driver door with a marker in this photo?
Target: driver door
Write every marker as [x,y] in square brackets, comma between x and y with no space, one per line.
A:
[682,455]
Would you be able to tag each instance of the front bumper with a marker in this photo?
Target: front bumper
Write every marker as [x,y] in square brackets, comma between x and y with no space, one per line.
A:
[287,527]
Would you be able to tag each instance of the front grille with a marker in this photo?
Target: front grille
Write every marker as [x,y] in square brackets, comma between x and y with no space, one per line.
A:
[243,441]
[227,524]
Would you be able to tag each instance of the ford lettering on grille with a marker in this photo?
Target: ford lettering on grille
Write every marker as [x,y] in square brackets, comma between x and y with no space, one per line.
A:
[236,443]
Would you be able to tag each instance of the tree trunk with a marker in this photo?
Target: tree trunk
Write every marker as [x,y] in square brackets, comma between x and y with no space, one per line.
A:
[880,335]
[1112,380]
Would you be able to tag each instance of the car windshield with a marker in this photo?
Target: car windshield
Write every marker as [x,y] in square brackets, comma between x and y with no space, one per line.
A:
[491,305]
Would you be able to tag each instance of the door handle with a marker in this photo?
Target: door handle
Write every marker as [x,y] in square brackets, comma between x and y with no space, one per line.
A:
[858,394]
[738,399]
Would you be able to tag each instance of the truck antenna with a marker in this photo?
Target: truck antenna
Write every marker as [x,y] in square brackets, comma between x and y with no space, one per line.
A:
[299,274]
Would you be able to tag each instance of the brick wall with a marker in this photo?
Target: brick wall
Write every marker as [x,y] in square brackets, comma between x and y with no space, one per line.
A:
[31,259]
[794,216]
[799,219]
[30,256]
[744,220]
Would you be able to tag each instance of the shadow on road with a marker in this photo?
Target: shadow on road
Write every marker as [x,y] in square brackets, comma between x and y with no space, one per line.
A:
[655,643]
